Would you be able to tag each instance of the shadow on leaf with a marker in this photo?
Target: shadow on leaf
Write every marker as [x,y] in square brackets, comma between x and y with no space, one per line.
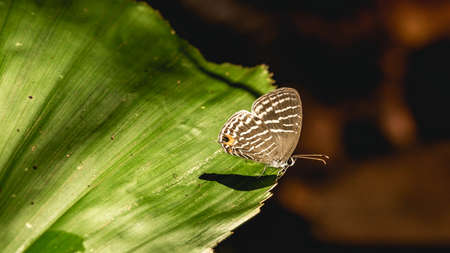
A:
[240,182]
[57,241]
[243,86]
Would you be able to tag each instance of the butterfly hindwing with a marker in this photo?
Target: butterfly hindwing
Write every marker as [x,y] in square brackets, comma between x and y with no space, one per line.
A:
[245,135]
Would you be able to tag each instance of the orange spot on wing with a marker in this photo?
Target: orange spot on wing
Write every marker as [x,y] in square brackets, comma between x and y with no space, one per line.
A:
[230,141]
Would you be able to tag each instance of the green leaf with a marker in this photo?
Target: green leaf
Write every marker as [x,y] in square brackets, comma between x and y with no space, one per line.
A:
[109,129]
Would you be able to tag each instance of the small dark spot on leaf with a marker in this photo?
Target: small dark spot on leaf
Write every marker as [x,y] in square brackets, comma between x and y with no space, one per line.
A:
[89,185]
[30,97]
[174,175]
[112,137]
[32,202]
[34,167]
[18,130]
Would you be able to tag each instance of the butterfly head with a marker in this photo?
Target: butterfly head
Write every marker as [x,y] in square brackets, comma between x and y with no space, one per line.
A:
[282,164]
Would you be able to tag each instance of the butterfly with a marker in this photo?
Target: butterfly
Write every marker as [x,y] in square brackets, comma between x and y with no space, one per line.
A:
[270,132]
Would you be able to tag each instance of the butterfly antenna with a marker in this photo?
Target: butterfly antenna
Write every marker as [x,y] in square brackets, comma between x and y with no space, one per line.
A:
[317,157]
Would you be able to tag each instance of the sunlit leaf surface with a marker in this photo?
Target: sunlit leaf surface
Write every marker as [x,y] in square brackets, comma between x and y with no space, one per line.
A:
[108,133]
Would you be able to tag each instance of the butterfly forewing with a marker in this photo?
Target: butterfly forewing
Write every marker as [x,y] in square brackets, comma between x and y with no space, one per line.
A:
[281,112]
[245,135]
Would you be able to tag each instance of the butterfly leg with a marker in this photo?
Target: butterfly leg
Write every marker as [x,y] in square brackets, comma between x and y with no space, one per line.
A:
[281,172]
[264,171]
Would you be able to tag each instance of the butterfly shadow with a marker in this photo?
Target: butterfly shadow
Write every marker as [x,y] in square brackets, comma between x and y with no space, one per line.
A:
[240,182]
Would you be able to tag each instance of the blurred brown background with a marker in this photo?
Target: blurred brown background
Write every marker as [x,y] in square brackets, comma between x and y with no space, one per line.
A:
[373,76]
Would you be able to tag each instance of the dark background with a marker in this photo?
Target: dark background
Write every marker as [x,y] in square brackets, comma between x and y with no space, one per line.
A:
[373,76]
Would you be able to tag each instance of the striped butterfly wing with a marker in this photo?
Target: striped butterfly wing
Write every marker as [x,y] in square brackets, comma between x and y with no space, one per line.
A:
[281,111]
[245,135]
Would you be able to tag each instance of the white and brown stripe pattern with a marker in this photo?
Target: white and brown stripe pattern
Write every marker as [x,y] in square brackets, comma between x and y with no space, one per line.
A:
[269,134]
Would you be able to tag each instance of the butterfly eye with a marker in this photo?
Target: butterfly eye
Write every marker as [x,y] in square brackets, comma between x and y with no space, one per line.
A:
[228,139]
